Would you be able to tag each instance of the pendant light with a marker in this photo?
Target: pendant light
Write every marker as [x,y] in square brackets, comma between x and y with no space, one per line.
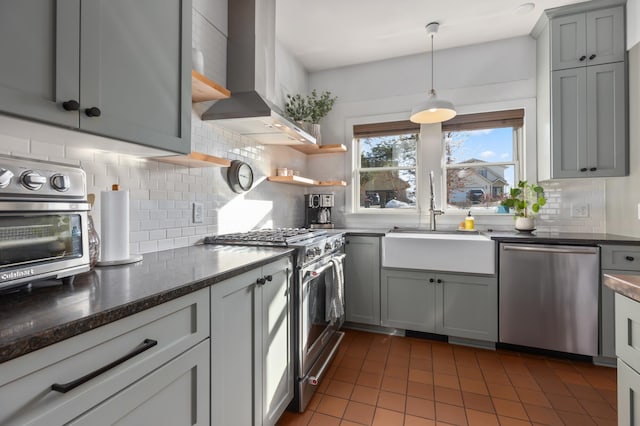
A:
[434,110]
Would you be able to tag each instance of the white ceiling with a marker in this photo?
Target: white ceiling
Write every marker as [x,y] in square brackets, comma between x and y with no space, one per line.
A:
[325,34]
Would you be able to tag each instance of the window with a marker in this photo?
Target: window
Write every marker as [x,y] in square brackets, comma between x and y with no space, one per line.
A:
[481,158]
[386,165]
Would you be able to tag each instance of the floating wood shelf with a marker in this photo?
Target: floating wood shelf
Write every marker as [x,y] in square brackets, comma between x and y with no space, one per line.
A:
[203,89]
[303,181]
[320,149]
[195,159]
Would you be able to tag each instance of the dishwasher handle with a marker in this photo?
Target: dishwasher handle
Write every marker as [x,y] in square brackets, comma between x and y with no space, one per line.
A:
[547,249]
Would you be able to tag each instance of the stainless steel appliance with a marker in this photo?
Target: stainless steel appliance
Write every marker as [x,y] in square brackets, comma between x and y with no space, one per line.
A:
[318,210]
[43,221]
[549,297]
[319,296]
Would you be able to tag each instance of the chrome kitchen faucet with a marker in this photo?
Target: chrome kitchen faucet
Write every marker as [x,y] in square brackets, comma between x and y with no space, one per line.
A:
[432,205]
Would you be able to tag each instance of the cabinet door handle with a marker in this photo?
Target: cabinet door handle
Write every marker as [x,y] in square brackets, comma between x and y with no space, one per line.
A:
[261,281]
[439,281]
[66,387]
[582,58]
[584,169]
[93,112]
[431,280]
[630,258]
[268,278]
[592,57]
[593,169]
[71,105]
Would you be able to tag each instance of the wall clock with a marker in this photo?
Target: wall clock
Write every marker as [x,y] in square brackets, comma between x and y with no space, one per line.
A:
[240,176]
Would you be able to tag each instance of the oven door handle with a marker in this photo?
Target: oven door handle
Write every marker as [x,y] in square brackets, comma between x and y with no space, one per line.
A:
[315,272]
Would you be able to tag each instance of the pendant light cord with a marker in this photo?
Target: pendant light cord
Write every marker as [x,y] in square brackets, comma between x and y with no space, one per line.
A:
[432,53]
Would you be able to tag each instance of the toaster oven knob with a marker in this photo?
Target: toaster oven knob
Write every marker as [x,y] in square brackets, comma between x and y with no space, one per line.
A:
[60,183]
[32,180]
[5,177]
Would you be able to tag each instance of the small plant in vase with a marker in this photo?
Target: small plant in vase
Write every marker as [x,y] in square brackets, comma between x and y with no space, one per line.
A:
[309,110]
[525,200]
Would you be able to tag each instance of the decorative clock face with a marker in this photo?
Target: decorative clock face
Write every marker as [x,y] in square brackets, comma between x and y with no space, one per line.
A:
[240,176]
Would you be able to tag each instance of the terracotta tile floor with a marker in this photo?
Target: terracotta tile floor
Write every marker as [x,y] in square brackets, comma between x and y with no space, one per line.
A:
[389,380]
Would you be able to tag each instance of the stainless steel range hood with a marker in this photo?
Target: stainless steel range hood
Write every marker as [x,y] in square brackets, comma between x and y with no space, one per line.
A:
[251,78]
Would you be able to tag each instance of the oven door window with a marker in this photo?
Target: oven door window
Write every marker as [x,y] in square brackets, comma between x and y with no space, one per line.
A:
[317,296]
[32,239]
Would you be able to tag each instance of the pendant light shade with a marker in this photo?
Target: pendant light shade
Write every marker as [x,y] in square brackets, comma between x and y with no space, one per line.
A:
[434,110]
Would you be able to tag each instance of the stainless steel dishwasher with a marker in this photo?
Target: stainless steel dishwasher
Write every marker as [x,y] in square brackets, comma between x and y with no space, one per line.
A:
[549,297]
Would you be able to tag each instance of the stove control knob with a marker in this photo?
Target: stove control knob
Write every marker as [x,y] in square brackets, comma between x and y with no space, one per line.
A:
[327,246]
[60,183]
[5,177]
[32,180]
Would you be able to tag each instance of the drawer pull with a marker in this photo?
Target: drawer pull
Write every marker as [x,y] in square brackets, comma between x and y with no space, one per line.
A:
[66,387]
[630,258]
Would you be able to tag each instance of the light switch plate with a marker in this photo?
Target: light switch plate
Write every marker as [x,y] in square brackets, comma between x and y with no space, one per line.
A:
[198,212]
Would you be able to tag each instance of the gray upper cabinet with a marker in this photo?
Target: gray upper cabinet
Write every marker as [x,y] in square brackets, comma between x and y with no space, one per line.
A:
[116,69]
[362,280]
[40,66]
[590,38]
[588,107]
[581,94]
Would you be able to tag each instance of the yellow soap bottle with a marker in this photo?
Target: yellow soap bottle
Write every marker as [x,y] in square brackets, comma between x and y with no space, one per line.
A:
[469,222]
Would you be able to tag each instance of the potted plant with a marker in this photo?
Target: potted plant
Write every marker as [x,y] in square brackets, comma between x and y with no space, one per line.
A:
[309,110]
[525,199]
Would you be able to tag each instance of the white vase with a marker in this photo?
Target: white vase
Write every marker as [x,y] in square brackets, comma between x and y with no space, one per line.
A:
[525,224]
[311,128]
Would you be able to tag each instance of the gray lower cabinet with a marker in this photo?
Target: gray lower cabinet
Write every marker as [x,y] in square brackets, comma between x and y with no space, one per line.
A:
[362,279]
[165,383]
[458,305]
[116,69]
[617,260]
[251,353]
[627,344]
[176,394]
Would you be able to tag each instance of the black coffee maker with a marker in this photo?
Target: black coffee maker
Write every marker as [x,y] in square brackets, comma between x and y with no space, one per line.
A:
[318,211]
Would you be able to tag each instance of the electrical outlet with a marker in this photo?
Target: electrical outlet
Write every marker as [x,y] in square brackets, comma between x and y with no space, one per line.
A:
[580,210]
[198,212]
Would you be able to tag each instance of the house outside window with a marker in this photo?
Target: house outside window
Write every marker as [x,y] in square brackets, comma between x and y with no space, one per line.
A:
[481,158]
[386,165]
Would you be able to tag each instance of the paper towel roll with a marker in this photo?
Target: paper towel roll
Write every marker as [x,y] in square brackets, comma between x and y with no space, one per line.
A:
[114,219]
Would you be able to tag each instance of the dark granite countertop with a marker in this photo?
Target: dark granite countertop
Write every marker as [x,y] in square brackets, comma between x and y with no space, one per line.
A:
[33,319]
[627,285]
[560,238]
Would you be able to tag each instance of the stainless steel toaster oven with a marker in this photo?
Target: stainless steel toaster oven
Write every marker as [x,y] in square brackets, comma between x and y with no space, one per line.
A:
[43,221]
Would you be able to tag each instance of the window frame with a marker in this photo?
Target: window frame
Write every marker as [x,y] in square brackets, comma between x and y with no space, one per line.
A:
[381,129]
[430,158]
[517,147]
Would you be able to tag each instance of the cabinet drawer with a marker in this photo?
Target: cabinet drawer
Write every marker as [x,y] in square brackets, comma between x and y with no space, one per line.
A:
[26,397]
[628,331]
[626,258]
[628,394]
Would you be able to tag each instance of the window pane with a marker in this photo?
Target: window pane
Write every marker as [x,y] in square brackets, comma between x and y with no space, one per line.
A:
[388,189]
[388,151]
[480,187]
[489,145]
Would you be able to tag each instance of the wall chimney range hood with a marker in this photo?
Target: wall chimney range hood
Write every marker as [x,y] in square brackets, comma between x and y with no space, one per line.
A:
[251,78]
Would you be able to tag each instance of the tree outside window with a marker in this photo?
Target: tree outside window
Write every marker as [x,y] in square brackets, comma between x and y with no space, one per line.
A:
[387,168]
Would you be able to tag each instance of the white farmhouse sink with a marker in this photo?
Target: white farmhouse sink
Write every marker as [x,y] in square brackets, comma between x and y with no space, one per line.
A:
[438,251]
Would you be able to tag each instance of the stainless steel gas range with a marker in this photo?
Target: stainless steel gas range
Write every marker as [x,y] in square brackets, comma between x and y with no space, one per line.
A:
[318,294]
